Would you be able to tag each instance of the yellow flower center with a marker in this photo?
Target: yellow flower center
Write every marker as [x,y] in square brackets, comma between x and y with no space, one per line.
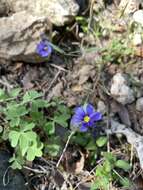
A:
[86,119]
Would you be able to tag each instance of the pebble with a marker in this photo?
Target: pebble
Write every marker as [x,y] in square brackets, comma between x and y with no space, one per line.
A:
[101,107]
[120,89]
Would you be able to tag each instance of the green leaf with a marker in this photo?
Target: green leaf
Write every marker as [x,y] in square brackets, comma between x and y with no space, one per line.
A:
[33,152]
[16,111]
[28,126]
[15,122]
[14,137]
[123,165]
[101,141]
[40,103]
[50,128]
[61,120]
[109,156]
[23,143]
[53,149]
[15,92]
[31,95]
[91,146]
[3,95]
[16,165]
[107,166]
[126,183]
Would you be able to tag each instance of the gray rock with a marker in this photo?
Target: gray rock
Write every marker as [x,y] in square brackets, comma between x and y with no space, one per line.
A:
[101,107]
[138,17]
[19,35]
[16,181]
[3,8]
[139,104]
[137,39]
[129,6]
[120,89]
[59,12]
[20,32]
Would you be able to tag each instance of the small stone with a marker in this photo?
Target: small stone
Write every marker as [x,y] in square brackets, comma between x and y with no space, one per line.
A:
[101,107]
[137,39]
[139,104]
[120,89]
[138,17]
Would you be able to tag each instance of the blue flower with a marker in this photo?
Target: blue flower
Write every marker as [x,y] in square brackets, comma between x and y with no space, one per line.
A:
[44,49]
[85,117]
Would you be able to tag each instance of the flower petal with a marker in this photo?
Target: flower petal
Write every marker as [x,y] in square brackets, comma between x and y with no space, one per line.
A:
[44,49]
[80,111]
[76,120]
[96,116]
[83,128]
[89,109]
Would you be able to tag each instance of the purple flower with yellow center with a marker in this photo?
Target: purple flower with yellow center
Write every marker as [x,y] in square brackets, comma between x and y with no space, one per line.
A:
[85,117]
[44,49]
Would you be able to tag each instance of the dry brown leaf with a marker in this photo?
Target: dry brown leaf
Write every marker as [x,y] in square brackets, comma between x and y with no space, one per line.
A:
[73,160]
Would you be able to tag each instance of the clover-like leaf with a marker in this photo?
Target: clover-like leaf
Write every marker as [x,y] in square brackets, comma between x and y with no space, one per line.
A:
[14,137]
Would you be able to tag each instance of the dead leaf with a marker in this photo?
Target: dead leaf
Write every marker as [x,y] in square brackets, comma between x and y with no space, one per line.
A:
[77,88]
[139,51]
[73,160]
[84,73]
[122,111]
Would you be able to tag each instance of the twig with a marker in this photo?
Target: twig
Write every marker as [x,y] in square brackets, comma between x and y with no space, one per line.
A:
[35,170]
[54,80]
[58,67]
[69,137]
[6,84]
[4,177]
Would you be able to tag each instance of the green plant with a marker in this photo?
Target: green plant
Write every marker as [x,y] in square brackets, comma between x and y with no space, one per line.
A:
[115,51]
[106,172]
[24,121]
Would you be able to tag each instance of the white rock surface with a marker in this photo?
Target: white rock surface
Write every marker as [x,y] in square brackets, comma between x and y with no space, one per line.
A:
[59,12]
[120,89]
[139,104]
[129,6]
[133,138]
[138,17]
[137,39]
[19,36]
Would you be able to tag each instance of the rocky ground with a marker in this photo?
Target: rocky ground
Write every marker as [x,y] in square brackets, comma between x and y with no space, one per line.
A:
[99,59]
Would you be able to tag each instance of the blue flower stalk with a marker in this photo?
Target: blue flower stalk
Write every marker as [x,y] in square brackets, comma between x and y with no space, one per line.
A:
[85,117]
[44,49]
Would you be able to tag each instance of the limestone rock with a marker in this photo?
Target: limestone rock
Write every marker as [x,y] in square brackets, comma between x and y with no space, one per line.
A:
[138,17]
[59,12]
[129,6]
[120,89]
[137,39]
[139,104]
[19,35]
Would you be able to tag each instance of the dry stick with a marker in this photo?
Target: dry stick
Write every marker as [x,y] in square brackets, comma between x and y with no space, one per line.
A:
[35,170]
[69,137]
[59,67]
[4,177]
[54,80]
